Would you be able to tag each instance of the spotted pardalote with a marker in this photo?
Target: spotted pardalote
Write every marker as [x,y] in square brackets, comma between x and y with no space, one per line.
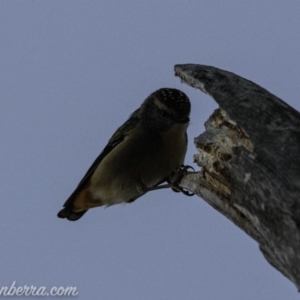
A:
[141,154]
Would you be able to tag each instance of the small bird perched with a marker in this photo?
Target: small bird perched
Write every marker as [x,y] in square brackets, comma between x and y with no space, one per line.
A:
[142,154]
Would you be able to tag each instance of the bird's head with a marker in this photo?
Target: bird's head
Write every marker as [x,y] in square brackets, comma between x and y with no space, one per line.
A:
[163,108]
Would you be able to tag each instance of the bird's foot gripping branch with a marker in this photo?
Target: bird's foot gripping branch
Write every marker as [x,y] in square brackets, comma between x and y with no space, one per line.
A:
[250,162]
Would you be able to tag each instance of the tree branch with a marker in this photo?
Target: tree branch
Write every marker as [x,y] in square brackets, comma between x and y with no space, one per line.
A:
[250,159]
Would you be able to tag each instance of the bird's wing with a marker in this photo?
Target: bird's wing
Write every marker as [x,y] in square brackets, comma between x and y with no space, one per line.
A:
[114,141]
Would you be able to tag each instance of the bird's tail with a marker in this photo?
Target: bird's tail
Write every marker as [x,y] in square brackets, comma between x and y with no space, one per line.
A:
[67,213]
[75,207]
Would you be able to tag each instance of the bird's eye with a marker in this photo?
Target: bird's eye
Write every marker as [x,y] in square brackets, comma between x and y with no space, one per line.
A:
[164,113]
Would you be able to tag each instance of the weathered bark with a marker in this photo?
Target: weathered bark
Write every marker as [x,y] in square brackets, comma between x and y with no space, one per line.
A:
[250,159]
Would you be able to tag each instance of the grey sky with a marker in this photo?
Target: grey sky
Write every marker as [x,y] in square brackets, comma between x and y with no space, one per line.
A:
[71,73]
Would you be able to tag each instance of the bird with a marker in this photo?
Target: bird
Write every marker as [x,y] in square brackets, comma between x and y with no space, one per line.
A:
[141,155]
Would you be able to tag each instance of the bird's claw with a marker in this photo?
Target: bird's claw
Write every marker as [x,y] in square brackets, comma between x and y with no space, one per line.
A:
[176,178]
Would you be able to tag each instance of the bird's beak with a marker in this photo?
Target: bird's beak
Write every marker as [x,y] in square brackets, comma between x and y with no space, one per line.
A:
[183,119]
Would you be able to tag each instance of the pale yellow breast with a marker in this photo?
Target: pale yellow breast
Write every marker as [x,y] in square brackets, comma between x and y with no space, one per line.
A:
[140,160]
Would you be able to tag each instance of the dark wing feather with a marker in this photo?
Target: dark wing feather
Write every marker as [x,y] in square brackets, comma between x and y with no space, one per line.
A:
[114,141]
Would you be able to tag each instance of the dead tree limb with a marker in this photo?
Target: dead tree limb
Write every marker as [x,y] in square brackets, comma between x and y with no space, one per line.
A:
[250,159]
